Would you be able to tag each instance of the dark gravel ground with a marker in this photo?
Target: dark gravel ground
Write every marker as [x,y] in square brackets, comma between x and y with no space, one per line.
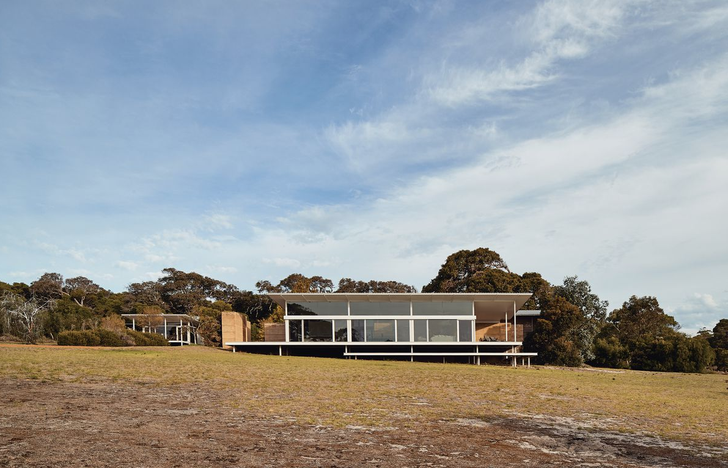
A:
[56,424]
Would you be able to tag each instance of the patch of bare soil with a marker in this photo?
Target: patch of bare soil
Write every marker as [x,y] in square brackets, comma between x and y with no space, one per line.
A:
[52,424]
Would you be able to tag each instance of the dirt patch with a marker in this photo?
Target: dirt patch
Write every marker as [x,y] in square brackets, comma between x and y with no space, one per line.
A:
[127,424]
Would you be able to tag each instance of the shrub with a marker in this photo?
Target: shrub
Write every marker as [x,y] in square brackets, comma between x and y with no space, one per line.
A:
[721,359]
[110,338]
[78,338]
[147,339]
[610,352]
[103,337]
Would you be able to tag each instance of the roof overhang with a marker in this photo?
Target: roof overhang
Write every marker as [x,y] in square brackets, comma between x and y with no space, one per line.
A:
[490,306]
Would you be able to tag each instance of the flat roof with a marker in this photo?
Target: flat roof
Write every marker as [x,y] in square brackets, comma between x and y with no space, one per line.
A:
[488,306]
[192,317]
[520,298]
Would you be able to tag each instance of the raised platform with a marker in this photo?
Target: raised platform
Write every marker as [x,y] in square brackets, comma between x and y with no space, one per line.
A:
[470,352]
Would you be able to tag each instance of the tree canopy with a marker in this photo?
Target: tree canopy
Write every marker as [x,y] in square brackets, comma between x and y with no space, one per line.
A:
[573,327]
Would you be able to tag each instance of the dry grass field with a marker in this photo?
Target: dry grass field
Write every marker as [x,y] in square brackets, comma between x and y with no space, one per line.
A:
[196,406]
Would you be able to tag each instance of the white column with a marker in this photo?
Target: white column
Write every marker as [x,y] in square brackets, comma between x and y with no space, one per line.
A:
[515,333]
[165,328]
[133,324]
[188,332]
[286,326]
[506,319]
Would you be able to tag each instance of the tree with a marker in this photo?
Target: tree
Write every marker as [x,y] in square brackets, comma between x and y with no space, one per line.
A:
[297,283]
[720,335]
[48,287]
[592,308]
[609,352]
[26,315]
[672,352]
[461,266]
[719,342]
[556,335]
[79,288]
[147,293]
[257,307]
[640,319]
[348,285]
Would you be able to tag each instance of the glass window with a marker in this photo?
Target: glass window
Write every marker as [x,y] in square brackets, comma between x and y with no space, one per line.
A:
[294,330]
[357,330]
[380,330]
[317,330]
[317,308]
[443,330]
[442,308]
[420,330]
[340,330]
[403,330]
[379,308]
[466,330]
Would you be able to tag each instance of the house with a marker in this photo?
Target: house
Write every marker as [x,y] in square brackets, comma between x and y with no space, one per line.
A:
[178,329]
[443,327]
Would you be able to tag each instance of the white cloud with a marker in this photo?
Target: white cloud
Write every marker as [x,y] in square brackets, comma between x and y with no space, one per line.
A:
[221,269]
[217,221]
[127,265]
[558,31]
[283,262]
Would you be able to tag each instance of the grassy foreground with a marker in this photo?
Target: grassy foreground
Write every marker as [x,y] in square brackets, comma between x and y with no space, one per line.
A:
[399,394]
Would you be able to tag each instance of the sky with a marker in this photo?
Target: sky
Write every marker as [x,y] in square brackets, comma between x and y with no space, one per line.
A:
[251,140]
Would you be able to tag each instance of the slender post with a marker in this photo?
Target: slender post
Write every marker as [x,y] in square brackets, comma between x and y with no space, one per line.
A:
[506,320]
[515,337]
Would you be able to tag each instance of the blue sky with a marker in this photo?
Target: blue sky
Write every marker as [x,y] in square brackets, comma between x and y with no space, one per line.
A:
[251,140]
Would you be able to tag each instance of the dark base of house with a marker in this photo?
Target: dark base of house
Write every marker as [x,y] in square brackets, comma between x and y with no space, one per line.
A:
[464,354]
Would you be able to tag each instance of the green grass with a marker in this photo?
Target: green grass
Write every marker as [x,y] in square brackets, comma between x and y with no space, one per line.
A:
[399,394]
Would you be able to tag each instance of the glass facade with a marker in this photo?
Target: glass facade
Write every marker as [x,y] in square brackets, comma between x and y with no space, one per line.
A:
[357,330]
[466,330]
[317,308]
[442,308]
[379,308]
[340,332]
[380,330]
[420,327]
[420,330]
[294,330]
[442,330]
[403,331]
[317,330]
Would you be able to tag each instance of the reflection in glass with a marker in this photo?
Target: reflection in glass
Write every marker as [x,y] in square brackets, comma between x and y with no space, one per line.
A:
[403,333]
[442,308]
[380,330]
[466,330]
[357,330]
[443,330]
[379,308]
[317,330]
[294,330]
[340,330]
[317,308]
[420,330]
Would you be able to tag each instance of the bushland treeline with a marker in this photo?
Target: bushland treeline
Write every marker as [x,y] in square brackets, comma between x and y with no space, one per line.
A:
[574,328]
